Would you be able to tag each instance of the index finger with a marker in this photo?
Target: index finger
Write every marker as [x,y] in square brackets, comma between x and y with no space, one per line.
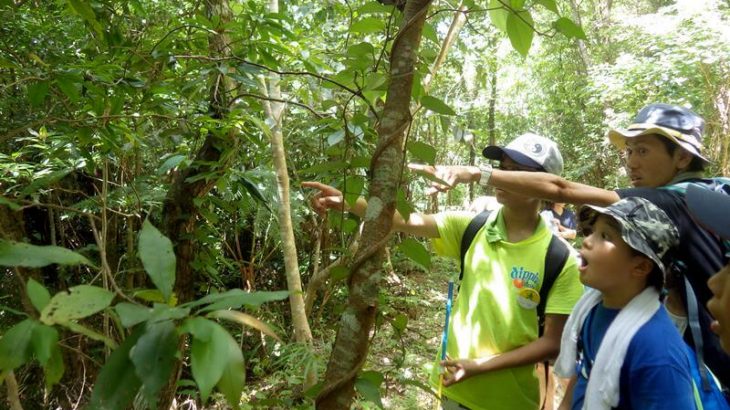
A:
[421,167]
[315,185]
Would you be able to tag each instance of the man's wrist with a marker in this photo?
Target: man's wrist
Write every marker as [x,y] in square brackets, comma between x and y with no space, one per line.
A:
[485,174]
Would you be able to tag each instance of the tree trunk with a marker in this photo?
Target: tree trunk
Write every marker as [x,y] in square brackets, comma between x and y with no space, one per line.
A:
[356,323]
[179,211]
[275,111]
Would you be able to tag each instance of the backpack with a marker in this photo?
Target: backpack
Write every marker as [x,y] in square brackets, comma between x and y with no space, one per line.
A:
[557,255]
[717,184]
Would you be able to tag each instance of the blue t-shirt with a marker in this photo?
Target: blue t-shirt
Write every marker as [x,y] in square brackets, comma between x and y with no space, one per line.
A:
[655,372]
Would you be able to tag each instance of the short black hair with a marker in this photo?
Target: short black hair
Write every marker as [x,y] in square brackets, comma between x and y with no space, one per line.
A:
[696,165]
[656,276]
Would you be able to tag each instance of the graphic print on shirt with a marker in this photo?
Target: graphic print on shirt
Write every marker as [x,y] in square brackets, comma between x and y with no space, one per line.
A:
[526,284]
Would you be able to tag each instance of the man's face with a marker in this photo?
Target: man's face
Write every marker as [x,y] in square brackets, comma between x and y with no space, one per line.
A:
[719,305]
[513,199]
[648,162]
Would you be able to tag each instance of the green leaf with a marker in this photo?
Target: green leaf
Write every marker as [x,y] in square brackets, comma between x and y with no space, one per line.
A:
[70,86]
[405,209]
[15,345]
[32,256]
[83,9]
[324,166]
[154,357]
[436,105]
[570,29]
[235,298]
[54,368]
[353,189]
[90,333]
[416,252]
[429,33]
[38,294]
[520,32]
[79,302]
[548,4]
[170,163]
[117,383]
[369,391]
[152,295]
[158,258]
[368,25]
[45,339]
[234,375]
[44,181]
[132,314]
[498,14]
[245,320]
[399,322]
[339,272]
[37,93]
[10,204]
[422,151]
[208,354]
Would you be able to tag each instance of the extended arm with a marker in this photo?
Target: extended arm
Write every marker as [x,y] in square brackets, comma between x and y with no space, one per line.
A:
[544,348]
[330,198]
[535,184]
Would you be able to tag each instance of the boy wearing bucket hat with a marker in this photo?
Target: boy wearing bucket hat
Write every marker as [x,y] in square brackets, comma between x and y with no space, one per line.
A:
[493,342]
[663,152]
[712,210]
[619,345]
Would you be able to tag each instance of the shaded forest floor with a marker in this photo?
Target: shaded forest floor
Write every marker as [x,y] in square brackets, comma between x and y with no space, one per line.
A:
[404,358]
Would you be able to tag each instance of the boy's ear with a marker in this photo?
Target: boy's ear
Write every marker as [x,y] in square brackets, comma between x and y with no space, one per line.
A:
[643,266]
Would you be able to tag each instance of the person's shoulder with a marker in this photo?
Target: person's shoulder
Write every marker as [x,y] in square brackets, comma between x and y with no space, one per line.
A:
[658,341]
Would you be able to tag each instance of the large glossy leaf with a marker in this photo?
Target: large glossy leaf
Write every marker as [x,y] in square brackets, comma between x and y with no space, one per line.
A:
[416,252]
[422,151]
[131,314]
[54,368]
[38,294]
[570,29]
[353,189]
[235,298]
[368,386]
[244,319]
[37,93]
[117,384]
[234,374]
[44,340]
[32,256]
[436,105]
[158,258]
[498,14]
[520,31]
[368,25]
[76,303]
[208,353]
[15,345]
[154,358]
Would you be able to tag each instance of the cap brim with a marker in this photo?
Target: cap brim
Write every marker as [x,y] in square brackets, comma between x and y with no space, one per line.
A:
[587,214]
[618,139]
[497,153]
[710,209]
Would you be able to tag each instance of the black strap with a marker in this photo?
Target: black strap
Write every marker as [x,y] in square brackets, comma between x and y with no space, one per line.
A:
[557,255]
[471,231]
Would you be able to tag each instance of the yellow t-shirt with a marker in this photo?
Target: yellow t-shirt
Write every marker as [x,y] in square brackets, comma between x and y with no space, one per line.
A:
[495,310]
